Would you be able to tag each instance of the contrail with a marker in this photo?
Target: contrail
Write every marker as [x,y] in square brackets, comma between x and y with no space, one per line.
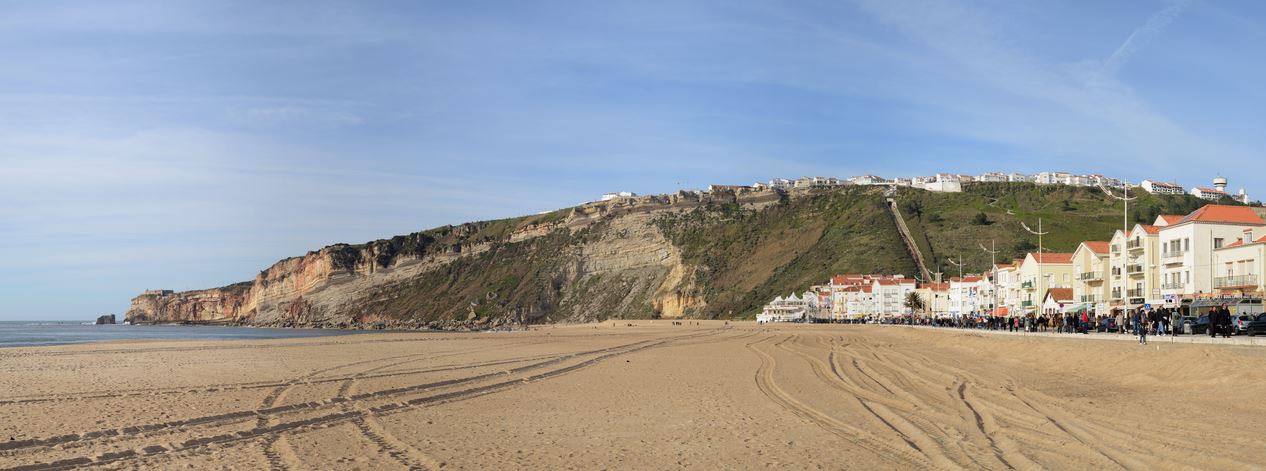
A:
[1144,34]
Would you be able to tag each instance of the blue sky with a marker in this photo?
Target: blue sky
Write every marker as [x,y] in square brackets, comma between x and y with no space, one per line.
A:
[182,144]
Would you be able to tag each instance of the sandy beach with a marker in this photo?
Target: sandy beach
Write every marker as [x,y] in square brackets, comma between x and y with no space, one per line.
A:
[649,396]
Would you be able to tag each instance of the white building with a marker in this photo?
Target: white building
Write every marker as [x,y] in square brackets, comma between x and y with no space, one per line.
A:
[619,195]
[889,296]
[1159,188]
[1213,194]
[945,183]
[790,309]
[1187,246]
[868,180]
[1209,194]
[969,296]
[1019,178]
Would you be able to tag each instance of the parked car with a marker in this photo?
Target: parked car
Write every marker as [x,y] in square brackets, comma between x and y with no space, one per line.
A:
[1195,326]
[1239,324]
[1257,326]
[1107,324]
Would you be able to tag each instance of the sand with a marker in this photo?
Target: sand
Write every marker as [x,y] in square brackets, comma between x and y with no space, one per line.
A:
[651,396]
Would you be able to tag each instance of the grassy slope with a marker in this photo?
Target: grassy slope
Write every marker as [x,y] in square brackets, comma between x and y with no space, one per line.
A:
[749,257]
[944,225]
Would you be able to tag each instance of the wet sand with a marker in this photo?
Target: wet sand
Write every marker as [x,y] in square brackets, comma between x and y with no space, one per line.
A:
[653,396]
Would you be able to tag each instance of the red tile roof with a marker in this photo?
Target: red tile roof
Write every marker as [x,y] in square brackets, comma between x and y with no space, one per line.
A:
[1096,246]
[1213,191]
[1239,242]
[1171,218]
[1224,214]
[894,282]
[1061,294]
[937,286]
[1052,257]
[1150,229]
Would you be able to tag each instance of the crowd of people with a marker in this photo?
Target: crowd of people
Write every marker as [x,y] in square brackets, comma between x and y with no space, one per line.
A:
[1139,322]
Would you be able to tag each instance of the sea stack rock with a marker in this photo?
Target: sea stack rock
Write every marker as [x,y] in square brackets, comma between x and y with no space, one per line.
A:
[107,319]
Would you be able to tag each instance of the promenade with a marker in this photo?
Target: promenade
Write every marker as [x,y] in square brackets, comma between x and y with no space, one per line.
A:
[1238,340]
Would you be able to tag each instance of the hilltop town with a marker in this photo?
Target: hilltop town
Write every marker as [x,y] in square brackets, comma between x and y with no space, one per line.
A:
[953,183]
[1192,262]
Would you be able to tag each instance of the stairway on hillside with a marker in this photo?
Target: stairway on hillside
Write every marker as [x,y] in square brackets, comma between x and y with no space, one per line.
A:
[911,246]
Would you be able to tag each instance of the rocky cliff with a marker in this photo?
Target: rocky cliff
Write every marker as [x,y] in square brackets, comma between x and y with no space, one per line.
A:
[688,254]
[593,261]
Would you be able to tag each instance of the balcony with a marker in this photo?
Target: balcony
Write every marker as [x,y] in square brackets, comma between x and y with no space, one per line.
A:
[1242,281]
[1134,245]
[1135,269]
[1091,276]
[1027,285]
[1134,293]
[1089,298]
[1026,303]
[1173,286]
[1116,294]
[1173,258]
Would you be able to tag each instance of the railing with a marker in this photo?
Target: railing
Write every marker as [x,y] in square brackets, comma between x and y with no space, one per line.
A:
[1135,268]
[1134,293]
[1026,303]
[1116,294]
[1089,298]
[1027,285]
[1172,286]
[1235,281]
[1134,244]
[1173,257]
[1091,276]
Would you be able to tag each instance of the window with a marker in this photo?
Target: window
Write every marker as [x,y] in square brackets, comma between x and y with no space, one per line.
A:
[1217,243]
[1186,245]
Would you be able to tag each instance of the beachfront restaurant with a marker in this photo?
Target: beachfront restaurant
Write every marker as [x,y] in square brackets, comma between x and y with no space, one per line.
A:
[1238,304]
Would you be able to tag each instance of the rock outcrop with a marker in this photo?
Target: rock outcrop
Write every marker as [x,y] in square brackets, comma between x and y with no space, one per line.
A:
[107,319]
[598,260]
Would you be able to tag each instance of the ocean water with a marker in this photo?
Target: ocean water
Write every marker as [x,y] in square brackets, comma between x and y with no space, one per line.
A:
[35,333]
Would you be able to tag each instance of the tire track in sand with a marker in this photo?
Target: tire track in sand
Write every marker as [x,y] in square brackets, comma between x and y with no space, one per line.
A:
[767,385]
[343,416]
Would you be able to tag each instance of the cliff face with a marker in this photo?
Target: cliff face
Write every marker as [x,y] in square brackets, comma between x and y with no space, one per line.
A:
[717,254]
[594,261]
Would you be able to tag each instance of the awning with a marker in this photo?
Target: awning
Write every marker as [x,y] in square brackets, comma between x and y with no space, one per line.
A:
[1002,311]
[1078,309]
[1209,302]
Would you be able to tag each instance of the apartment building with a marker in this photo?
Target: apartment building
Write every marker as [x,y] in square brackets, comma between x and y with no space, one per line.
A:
[1239,266]
[1092,270]
[1159,188]
[1189,245]
[1041,272]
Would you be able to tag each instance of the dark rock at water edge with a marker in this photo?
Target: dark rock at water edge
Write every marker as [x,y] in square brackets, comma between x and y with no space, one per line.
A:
[107,319]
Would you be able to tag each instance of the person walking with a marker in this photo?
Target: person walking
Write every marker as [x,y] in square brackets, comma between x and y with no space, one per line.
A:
[1226,323]
[1212,318]
[1139,329]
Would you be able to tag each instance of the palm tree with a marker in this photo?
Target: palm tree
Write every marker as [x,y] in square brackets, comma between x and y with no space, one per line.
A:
[914,302]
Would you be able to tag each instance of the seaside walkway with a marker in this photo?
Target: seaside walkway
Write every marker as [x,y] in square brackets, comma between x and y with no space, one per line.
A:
[1238,340]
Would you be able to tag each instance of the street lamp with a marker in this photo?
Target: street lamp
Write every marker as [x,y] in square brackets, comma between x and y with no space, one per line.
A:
[1125,234]
[993,283]
[959,264]
[1039,258]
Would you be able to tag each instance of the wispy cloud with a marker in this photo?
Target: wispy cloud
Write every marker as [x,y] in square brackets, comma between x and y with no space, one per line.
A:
[1143,35]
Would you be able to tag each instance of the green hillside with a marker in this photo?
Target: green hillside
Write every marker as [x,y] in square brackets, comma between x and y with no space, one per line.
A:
[947,225]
